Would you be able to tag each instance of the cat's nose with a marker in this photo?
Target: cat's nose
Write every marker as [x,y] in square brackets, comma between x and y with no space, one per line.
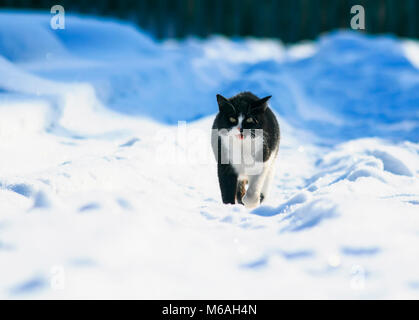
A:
[241,130]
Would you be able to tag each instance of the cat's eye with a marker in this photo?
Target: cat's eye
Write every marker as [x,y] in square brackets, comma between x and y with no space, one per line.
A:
[249,120]
[233,120]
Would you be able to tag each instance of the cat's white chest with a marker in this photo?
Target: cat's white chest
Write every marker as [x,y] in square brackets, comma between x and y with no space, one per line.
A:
[241,153]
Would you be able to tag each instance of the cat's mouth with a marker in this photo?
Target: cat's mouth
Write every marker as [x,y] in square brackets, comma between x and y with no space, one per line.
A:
[240,136]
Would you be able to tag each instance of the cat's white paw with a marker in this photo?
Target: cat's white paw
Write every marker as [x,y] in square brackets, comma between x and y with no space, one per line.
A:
[251,201]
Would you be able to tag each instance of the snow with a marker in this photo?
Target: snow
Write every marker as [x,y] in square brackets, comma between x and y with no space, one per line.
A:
[104,195]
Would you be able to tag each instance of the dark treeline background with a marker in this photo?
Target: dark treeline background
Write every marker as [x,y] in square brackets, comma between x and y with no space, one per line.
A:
[289,20]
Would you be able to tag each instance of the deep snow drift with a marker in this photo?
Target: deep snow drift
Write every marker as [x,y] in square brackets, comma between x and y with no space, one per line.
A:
[103,195]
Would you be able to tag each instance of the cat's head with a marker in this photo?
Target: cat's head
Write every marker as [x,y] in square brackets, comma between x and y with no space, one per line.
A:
[241,113]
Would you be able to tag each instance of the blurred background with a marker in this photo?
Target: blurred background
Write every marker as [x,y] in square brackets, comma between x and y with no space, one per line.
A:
[288,20]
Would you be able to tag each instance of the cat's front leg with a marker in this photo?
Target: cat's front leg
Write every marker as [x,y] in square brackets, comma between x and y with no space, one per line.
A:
[251,201]
[252,198]
[267,184]
[227,179]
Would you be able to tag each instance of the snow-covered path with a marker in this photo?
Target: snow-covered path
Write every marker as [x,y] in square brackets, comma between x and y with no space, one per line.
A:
[102,195]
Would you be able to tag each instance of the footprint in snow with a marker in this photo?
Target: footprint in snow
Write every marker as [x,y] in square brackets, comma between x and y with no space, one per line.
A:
[130,143]
[265,211]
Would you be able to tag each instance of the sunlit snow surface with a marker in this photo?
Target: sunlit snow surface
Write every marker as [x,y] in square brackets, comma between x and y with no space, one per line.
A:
[102,195]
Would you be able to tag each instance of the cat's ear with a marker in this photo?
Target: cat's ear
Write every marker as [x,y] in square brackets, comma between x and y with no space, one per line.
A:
[260,106]
[224,105]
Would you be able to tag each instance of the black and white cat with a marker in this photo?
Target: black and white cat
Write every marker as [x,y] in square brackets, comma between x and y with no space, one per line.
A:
[245,140]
